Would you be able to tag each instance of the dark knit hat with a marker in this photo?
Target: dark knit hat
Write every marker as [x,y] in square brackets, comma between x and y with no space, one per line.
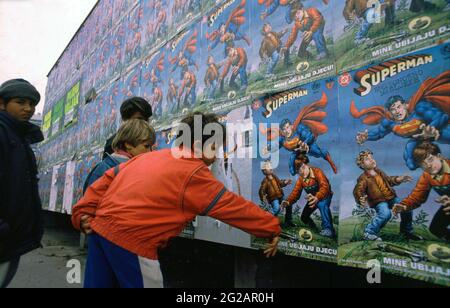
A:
[19,88]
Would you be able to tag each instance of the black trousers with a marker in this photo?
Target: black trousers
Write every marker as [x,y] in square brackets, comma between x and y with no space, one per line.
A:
[439,225]
[7,272]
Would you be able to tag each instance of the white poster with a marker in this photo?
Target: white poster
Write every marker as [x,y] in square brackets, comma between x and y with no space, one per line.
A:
[68,188]
[54,189]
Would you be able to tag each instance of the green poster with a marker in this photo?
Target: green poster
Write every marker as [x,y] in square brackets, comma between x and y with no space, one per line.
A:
[57,115]
[72,101]
[47,124]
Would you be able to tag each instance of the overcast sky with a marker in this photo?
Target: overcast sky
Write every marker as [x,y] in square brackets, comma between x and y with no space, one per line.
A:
[34,33]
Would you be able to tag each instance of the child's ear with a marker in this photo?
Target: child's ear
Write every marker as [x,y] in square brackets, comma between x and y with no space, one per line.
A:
[128,146]
[198,149]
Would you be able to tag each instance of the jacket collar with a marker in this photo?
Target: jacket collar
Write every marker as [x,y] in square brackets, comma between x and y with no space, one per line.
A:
[25,130]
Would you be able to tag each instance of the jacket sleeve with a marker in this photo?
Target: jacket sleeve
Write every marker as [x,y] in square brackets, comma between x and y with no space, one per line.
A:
[292,37]
[391,180]
[262,190]
[206,196]
[360,190]
[419,195]
[324,185]
[317,19]
[296,193]
[2,174]
[94,194]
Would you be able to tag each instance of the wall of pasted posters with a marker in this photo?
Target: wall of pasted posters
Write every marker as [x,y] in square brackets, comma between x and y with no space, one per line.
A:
[311,84]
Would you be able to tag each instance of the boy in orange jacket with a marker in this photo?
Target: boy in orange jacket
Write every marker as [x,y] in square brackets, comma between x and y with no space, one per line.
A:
[136,208]
[314,182]
[436,177]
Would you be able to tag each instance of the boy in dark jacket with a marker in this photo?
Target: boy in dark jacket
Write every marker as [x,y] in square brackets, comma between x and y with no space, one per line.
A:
[376,188]
[271,189]
[20,207]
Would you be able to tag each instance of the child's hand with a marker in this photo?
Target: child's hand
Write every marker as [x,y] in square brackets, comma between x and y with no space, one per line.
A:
[284,204]
[404,179]
[86,225]
[288,182]
[312,200]
[445,202]
[399,208]
[363,200]
[272,247]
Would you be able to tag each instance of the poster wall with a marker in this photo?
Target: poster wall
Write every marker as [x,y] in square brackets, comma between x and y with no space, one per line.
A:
[315,80]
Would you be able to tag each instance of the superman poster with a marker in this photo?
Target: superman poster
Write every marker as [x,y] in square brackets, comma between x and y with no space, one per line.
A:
[296,172]
[170,77]
[292,43]
[395,166]
[180,15]
[368,32]
[116,47]
[226,49]
[133,36]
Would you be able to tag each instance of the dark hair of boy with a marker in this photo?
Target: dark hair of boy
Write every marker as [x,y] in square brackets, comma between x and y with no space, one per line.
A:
[422,151]
[134,105]
[206,120]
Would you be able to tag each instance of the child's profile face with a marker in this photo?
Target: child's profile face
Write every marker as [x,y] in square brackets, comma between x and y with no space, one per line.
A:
[267,171]
[143,147]
[21,109]
[432,164]
[303,170]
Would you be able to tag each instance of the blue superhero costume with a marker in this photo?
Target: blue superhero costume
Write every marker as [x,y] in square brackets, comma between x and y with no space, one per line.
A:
[425,113]
[235,21]
[430,106]
[313,115]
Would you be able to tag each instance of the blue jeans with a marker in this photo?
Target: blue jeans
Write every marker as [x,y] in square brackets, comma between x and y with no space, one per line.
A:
[273,62]
[276,207]
[192,97]
[364,28]
[384,215]
[319,40]
[212,89]
[242,75]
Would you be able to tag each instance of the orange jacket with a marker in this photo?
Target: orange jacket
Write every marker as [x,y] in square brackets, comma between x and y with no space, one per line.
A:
[319,179]
[312,23]
[423,188]
[155,195]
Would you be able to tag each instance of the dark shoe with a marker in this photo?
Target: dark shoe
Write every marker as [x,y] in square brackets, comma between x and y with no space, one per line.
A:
[289,224]
[412,237]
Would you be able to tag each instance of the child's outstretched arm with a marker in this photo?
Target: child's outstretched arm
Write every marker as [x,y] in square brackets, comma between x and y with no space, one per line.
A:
[206,196]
